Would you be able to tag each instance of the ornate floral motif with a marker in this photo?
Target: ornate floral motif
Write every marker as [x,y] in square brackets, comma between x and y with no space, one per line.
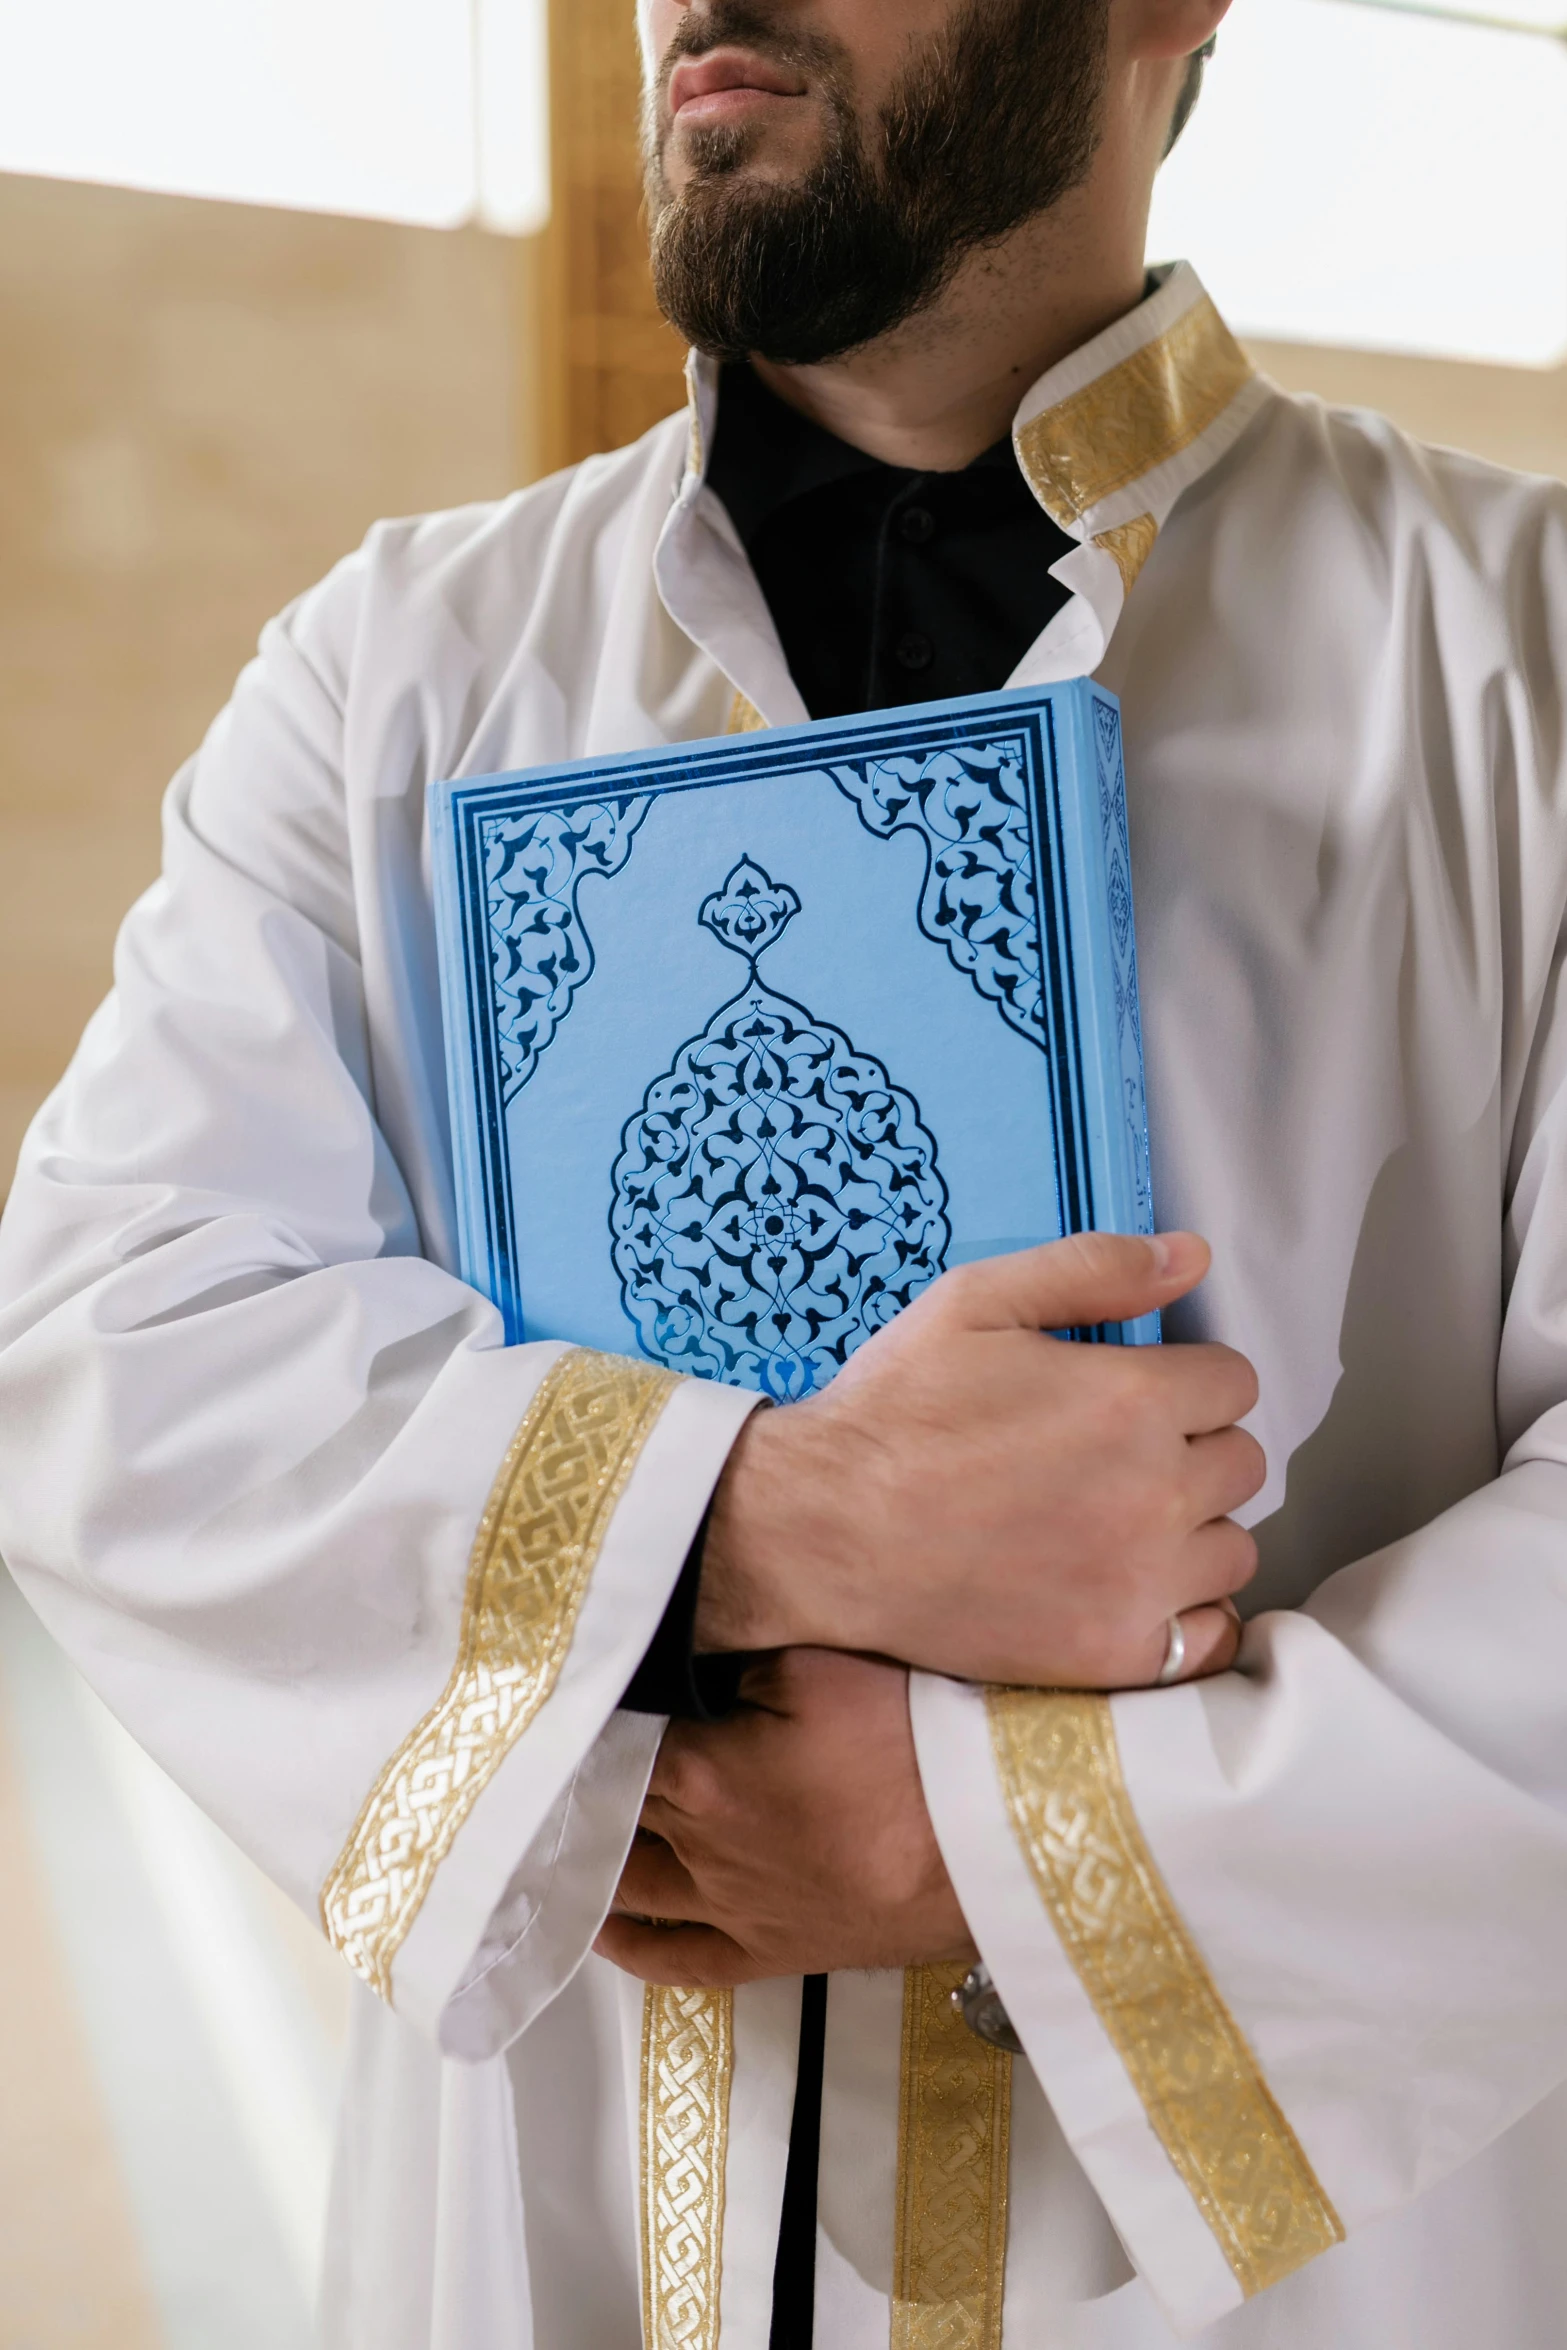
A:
[776,1197]
[534,866]
[968,807]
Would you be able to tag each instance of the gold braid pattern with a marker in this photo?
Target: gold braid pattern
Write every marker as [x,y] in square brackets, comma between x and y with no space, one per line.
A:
[687,2062]
[1198,2081]
[1133,417]
[532,1559]
[954,2125]
[1129,546]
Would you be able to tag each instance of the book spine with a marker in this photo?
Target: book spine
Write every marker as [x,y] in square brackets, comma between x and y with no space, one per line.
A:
[460,975]
[1095,830]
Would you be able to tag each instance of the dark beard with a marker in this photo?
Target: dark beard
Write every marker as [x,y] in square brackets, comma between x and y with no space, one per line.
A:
[991,124]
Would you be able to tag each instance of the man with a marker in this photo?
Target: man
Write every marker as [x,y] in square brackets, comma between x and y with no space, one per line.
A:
[1281,1944]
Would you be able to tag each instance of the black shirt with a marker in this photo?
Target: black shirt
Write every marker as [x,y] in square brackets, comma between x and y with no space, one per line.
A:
[885,586]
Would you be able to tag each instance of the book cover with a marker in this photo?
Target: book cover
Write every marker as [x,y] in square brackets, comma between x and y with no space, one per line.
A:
[749,1039]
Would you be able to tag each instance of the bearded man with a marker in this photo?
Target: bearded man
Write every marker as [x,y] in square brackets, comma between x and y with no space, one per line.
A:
[657,2040]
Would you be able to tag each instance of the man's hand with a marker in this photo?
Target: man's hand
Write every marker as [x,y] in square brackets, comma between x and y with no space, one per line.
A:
[791,1839]
[979,1498]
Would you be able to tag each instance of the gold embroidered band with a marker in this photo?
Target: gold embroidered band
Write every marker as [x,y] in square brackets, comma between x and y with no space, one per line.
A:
[1187,2058]
[744,716]
[954,2122]
[1131,544]
[1134,417]
[532,1559]
[687,2061]
[696,454]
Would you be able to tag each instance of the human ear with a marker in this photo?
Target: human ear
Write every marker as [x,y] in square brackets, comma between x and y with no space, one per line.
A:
[1154,29]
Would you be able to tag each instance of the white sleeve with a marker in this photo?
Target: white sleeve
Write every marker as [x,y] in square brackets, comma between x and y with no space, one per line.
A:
[1286,1947]
[368,1584]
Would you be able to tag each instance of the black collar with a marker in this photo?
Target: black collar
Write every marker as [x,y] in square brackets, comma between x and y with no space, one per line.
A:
[766,454]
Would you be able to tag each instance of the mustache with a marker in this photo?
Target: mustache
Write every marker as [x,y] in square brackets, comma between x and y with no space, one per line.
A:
[742,24]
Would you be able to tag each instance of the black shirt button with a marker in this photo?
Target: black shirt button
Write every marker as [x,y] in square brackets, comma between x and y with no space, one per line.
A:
[915,524]
[914,651]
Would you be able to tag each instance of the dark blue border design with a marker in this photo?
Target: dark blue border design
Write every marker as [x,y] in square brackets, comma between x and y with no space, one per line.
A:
[541,954]
[977,902]
[752,758]
[1122,935]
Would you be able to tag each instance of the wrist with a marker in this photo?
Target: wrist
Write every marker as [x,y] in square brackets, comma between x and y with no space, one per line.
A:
[772,1534]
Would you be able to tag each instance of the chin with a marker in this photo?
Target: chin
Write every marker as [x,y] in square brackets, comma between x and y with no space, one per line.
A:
[758,154]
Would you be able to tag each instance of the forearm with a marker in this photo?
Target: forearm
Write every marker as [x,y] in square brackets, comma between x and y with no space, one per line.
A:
[774,1572]
[315,1533]
[973,1495]
[1326,1890]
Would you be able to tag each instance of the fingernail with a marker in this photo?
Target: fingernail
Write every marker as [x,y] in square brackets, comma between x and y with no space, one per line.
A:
[1161,1252]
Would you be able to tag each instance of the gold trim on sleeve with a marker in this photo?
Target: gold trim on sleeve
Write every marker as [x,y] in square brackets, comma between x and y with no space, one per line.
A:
[1135,416]
[1198,2081]
[1131,544]
[687,2064]
[532,1559]
[954,2126]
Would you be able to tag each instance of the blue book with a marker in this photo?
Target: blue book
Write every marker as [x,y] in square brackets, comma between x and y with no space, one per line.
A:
[749,1039]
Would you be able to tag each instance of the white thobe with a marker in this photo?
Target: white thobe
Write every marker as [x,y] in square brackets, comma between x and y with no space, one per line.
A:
[1286,1950]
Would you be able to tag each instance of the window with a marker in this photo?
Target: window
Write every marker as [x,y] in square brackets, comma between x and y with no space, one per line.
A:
[432,111]
[1388,176]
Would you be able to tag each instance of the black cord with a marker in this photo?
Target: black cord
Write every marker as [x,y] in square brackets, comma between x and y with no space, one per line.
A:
[794,2270]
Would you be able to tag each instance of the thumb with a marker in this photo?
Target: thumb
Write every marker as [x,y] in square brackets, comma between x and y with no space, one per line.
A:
[1089,1277]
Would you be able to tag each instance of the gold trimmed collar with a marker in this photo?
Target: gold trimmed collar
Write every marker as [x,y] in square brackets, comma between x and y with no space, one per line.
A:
[701,416]
[1110,437]
[1112,434]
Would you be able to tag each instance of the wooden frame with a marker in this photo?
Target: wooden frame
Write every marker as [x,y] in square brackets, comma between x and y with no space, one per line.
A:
[609,366]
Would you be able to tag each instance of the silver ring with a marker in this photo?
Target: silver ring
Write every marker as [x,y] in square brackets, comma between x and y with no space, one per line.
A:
[1174,1655]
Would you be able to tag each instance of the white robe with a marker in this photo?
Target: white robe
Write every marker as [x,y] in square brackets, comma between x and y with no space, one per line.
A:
[1288,1951]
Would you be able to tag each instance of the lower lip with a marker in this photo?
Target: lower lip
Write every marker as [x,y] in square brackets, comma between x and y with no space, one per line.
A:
[724,105]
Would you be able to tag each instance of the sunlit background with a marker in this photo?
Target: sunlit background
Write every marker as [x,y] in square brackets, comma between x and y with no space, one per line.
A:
[1389,176]
[1384,176]
[268,269]
[428,111]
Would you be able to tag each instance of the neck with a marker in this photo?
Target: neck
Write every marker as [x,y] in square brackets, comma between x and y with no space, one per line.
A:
[946,384]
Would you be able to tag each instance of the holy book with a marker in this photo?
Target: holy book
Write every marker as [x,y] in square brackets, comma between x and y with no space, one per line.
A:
[750,1039]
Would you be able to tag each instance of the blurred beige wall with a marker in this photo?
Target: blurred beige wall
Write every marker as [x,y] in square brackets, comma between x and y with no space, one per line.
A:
[1514,415]
[203,405]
